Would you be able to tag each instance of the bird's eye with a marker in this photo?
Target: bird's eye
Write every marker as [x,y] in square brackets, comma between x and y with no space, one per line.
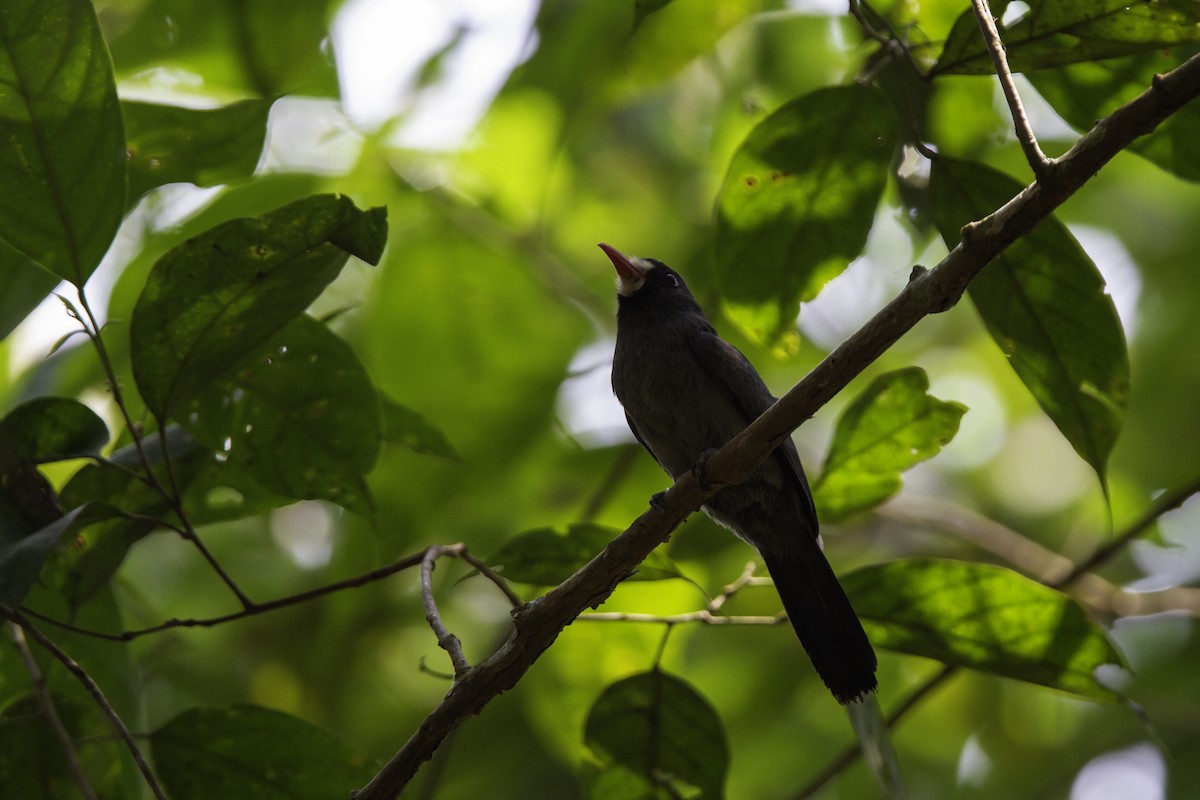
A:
[671,279]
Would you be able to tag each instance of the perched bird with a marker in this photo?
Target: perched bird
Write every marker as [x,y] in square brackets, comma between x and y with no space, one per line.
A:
[686,392]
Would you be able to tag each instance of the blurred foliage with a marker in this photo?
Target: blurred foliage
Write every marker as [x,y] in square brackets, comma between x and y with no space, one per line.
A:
[249,380]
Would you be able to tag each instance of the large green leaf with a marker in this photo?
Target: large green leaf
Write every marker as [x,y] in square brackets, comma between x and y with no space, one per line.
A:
[247,751]
[50,429]
[217,297]
[1043,302]
[23,286]
[667,34]
[62,157]
[891,426]
[983,617]
[1057,32]
[798,201]
[265,47]
[170,144]
[299,414]
[1083,93]
[545,557]
[655,736]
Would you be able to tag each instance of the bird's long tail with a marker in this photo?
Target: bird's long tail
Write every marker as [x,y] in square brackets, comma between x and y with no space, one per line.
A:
[824,620]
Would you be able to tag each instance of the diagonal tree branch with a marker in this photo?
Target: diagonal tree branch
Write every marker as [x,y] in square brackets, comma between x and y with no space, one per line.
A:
[538,623]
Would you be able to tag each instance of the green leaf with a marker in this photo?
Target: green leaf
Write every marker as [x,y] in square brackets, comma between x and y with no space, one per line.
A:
[891,426]
[170,144]
[247,751]
[263,47]
[545,557]
[299,414]
[62,164]
[50,429]
[1054,33]
[1043,302]
[21,561]
[409,428]
[23,286]
[655,736]
[798,201]
[983,617]
[218,296]
[1084,93]
[669,34]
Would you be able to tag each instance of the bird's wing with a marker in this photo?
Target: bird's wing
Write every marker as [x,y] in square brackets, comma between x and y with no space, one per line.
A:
[733,372]
[637,435]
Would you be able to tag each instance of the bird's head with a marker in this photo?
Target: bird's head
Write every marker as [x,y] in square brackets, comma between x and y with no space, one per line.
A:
[647,282]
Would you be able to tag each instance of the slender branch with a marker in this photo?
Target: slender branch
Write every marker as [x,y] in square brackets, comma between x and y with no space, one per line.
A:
[171,495]
[51,711]
[94,690]
[445,639]
[1038,161]
[539,623]
[868,31]
[261,608]
[1103,555]
[461,551]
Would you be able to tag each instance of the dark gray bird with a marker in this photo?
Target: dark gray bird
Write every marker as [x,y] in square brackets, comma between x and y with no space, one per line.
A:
[687,392]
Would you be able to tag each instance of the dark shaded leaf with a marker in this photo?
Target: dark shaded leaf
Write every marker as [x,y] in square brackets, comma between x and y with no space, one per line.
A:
[217,297]
[1043,302]
[23,286]
[655,736]
[892,425]
[409,428]
[49,429]
[544,557]
[170,144]
[102,548]
[299,415]
[20,562]
[62,166]
[798,201]
[1054,33]
[247,751]
[1084,93]
[983,617]
[32,762]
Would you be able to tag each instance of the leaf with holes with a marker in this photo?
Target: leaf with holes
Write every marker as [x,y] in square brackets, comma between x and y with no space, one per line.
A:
[218,296]
[982,617]
[62,166]
[891,426]
[798,201]
[1043,302]
[653,735]
[299,414]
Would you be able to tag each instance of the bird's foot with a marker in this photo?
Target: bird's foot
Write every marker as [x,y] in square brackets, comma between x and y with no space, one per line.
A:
[656,499]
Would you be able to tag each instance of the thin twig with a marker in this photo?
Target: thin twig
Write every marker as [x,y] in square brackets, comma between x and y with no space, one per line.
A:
[94,690]
[1038,161]
[868,31]
[461,551]
[445,639]
[1103,555]
[261,608]
[51,711]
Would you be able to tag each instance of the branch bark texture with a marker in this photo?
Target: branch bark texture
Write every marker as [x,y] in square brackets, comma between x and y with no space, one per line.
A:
[538,623]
